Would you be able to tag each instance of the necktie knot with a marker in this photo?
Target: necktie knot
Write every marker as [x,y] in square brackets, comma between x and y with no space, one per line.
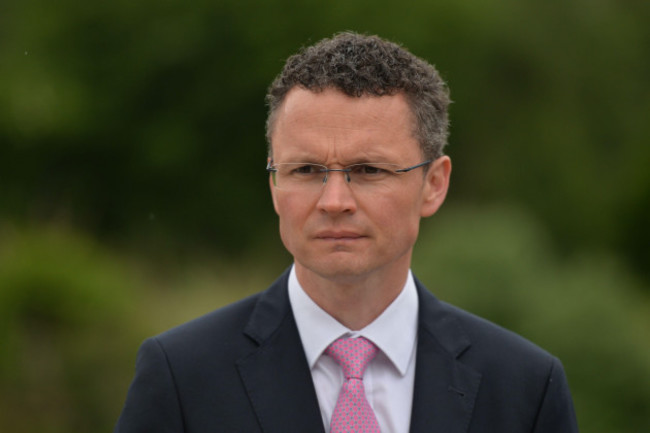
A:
[353,355]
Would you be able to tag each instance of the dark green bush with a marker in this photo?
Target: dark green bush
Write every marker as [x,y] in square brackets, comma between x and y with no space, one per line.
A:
[68,331]
[585,308]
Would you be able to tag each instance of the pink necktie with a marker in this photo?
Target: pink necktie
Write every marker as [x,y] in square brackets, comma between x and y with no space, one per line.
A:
[352,413]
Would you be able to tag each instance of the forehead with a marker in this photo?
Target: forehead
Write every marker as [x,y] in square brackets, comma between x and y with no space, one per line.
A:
[332,125]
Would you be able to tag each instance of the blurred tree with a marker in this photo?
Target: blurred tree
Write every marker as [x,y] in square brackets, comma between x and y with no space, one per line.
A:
[143,122]
[68,332]
[499,263]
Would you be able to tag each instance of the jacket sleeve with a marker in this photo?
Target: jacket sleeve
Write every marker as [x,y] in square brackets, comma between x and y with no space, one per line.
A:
[556,413]
[152,404]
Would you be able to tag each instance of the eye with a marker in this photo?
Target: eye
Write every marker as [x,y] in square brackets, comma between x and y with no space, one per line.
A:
[306,169]
[368,170]
[371,169]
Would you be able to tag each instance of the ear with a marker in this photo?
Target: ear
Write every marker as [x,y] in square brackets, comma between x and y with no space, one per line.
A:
[436,186]
[272,187]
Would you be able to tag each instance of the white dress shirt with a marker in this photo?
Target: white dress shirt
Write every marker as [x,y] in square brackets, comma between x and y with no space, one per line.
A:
[389,378]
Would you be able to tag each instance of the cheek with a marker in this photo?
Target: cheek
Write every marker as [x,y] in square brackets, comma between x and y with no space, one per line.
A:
[291,207]
[399,220]
[404,229]
[292,214]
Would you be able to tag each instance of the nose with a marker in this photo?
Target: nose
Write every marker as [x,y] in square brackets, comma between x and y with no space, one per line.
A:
[336,196]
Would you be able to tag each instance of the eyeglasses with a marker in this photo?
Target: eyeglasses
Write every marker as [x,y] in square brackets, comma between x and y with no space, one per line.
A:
[303,176]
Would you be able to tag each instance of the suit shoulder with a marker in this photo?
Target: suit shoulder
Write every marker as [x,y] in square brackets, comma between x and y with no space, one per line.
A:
[520,383]
[493,343]
[234,329]
[222,324]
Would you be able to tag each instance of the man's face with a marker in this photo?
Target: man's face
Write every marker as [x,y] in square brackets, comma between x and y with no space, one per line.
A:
[341,232]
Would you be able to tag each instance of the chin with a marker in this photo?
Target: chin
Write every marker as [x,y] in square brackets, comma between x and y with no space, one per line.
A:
[343,267]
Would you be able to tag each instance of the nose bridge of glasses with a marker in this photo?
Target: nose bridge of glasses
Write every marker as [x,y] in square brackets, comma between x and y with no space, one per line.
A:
[344,171]
[338,193]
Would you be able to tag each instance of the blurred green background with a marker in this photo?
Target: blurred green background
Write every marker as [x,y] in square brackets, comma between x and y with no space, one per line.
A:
[133,195]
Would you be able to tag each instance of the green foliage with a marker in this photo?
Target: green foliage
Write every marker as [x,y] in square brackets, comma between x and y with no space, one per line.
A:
[72,315]
[143,122]
[66,327]
[497,262]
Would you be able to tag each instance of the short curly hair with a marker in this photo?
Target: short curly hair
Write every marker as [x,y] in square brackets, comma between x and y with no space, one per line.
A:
[360,65]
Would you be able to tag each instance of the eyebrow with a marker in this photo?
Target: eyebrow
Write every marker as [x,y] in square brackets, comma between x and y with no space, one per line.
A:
[309,158]
[358,162]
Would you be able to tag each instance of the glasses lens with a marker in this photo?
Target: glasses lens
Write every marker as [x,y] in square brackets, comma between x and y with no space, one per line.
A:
[302,176]
[366,174]
[297,176]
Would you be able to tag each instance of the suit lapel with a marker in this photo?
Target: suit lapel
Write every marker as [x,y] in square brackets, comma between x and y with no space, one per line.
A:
[276,376]
[279,385]
[445,389]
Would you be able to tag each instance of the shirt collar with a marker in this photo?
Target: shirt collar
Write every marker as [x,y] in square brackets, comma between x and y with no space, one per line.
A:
[394,331]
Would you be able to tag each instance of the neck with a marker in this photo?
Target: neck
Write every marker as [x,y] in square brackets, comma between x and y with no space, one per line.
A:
[355,302]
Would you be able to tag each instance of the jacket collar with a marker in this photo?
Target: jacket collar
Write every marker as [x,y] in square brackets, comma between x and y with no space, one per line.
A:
[445,388]
[276,376]
[279,385]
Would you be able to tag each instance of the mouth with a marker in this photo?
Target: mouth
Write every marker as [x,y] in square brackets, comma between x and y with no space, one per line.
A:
[340,236]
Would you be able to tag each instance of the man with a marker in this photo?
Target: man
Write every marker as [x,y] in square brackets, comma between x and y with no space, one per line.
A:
[347,339]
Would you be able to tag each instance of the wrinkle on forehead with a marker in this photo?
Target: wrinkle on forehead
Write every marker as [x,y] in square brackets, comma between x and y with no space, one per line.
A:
[330,127]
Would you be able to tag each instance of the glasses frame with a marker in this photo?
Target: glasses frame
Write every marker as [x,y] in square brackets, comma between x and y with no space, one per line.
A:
[346,170]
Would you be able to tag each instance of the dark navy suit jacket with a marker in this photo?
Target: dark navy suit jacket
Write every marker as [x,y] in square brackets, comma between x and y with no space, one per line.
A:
[242,369]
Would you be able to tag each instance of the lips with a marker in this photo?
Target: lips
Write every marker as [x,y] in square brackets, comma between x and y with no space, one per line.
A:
[342,235]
